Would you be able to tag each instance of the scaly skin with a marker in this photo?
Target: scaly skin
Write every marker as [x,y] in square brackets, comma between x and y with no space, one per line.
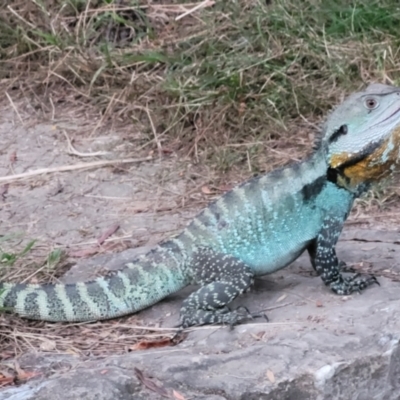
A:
[255,229]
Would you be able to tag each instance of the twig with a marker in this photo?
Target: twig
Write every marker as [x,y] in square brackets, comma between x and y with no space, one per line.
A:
[22,19]
[275,307]
[153,128]
[203,4]
[75,167]
[72,150]
[15,108]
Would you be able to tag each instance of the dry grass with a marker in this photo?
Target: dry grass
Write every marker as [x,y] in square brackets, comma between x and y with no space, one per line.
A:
[238,85]
[84,339]
[242,73]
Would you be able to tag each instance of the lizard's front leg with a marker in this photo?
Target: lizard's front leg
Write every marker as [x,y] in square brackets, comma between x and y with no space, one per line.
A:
[323,258]
[343,267]
[222,278]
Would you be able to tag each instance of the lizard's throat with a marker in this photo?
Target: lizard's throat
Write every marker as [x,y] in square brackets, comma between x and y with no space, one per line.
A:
[356,171]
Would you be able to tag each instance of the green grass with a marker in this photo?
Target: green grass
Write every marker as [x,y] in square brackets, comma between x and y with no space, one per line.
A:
[8,258]
[18,253]
[239,72]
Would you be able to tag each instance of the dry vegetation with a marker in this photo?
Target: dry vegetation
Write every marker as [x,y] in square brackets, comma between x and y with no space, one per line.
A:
[225,83]
[239,85]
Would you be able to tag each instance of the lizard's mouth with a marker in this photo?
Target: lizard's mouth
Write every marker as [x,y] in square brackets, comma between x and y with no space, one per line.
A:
[346,160]
[374,162]
[387,118]
[378,151]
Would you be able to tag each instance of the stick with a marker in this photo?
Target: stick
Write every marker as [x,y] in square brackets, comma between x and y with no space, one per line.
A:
[15,108]
[75,167]
[205,3]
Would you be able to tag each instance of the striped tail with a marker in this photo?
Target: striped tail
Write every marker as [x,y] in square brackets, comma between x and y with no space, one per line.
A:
[137,286]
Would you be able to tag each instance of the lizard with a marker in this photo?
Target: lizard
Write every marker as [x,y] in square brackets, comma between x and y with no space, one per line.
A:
[257,228]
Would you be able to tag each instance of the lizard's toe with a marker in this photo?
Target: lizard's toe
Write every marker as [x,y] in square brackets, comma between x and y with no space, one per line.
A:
[345,268]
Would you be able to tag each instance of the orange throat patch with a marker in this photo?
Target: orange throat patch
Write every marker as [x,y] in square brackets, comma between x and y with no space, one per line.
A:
[372,168]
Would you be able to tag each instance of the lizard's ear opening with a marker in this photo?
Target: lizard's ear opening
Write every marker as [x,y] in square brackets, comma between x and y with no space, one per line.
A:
[342,130]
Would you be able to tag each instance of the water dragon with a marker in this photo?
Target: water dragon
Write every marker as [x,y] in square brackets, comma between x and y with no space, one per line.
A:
[255,229]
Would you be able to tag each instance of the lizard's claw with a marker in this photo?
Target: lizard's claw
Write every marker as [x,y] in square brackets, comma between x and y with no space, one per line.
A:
[345,268]
[242,313]
[351,284]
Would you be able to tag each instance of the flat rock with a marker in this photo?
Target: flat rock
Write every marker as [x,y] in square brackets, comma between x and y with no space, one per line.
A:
[316,346]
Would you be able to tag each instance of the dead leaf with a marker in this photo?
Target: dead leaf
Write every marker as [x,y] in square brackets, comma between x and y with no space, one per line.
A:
[28,375]
[23,375]
[13,157]
[283,297]
[4,190]
[206,190]
[48,345]
[110,231]
[150,384]
[84,253]
[177,395]
[258,335]
[151,344]
[6,380]
[4,355]
[140,207]
[225,188]
[270,376]
[6,374]
[242,108]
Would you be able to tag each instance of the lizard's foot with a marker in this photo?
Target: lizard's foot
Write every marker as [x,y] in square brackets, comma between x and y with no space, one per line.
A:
[355,283]
[222,316]
[198,317]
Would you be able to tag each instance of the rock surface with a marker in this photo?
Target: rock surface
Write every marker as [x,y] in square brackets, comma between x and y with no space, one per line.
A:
[316,346]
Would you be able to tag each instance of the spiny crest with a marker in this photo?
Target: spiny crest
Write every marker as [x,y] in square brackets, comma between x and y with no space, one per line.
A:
[319,137]
[323,131]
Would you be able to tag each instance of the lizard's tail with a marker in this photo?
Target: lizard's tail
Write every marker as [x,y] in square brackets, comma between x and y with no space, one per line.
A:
[137,286]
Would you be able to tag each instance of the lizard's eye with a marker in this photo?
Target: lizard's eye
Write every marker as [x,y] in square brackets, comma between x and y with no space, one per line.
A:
[371,103]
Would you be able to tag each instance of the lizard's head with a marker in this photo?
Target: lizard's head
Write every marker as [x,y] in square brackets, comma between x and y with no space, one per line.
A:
[362,136]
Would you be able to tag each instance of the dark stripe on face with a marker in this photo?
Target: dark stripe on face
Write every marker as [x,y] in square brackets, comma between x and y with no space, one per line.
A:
[367,151]
[332,175]
[339,132]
